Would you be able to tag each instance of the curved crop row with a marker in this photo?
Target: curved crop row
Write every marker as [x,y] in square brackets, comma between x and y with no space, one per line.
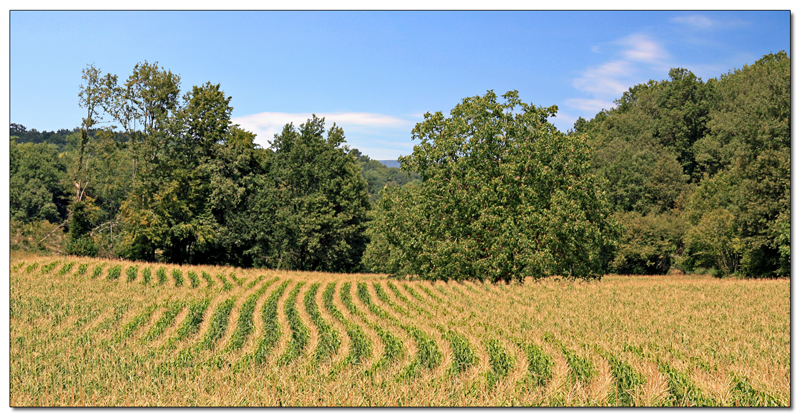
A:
[300,333]
[132,272]
[166,319]
[65,268]
[134,324]
[218,324]
[360,346]
[272,331]
[392,345]
[245,322]
[328,336]
[49,267]
[463,354]
[193,280]
[428,354]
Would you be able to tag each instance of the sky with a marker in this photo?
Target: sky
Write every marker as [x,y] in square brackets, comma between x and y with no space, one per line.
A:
[376,73]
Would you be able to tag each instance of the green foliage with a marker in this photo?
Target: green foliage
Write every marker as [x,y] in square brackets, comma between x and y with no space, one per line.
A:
[98,270]
[36,174]
[378,175]
[59,138]
[328,336]
[177,276]
[713,243]
[168,208]
[696,174]
[540,365]
[37,236]
[191,324]
[132,272]
[272,330]
[114,272]
[161,273]
[640,177]
[82,269]
[648,243]
[716,154]
[504,195]
[49,267]
[65,268]
[219,322]
[300,333]
[146,275]
[309,211]
[747,154]
[82,246]
[193,279]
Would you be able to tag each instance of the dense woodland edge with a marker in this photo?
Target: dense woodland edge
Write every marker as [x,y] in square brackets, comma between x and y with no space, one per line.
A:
[681,176]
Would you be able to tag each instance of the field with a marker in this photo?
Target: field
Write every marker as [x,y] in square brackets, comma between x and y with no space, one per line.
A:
[94,332]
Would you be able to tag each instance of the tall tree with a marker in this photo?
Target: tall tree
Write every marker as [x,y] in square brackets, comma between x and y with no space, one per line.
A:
[169,209]
[310,210]
[748,148]
[504,195]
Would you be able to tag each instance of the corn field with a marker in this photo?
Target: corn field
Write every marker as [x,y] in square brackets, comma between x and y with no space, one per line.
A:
[99,332]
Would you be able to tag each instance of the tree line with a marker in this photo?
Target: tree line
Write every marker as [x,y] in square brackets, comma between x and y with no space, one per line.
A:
[681,175]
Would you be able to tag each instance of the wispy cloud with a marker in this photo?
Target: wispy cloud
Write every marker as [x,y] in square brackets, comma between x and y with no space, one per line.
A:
[590,105]
[699,22]
[694,21]
[642,48]
[265,125]
[604,79]
[629,57]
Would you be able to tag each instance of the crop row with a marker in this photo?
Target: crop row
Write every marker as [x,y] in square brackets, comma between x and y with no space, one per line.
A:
[420,326]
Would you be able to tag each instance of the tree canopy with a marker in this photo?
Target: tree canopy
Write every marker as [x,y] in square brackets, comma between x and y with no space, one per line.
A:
[504,195]
[681,174]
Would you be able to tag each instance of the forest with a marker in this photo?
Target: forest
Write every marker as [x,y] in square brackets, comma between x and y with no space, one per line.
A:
[681,176]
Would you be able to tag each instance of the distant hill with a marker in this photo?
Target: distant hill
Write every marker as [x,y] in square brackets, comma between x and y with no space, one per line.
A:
[390,163]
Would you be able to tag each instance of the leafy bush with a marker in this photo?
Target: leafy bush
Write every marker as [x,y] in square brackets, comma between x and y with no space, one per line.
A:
[648,243]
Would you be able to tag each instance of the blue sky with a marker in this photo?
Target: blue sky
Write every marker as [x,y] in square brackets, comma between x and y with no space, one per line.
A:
[376,73]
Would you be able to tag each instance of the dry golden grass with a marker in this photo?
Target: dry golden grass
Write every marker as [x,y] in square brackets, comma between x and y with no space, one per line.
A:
[86,339]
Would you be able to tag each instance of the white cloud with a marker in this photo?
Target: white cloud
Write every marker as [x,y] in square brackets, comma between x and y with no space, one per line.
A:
[699,22]
[266,125]
[590,105]
[641,48]
[607,81]
[694,21]
[604,79]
